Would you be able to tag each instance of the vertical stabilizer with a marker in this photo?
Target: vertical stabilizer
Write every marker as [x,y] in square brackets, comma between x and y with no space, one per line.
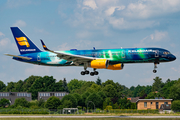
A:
[25,45]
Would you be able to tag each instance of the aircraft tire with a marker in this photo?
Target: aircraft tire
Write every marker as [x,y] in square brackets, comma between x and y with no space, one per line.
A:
[92,73]
[154,71]
[82,73]
[96,73]
[86,72]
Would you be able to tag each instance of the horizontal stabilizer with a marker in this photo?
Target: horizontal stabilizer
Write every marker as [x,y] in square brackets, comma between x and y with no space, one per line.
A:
[26,58]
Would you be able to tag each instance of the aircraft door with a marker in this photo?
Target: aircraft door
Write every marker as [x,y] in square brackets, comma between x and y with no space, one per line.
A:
[39,57]
[123,54]
[157,53]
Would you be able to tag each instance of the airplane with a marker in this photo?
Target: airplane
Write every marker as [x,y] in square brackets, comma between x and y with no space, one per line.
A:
[111,59]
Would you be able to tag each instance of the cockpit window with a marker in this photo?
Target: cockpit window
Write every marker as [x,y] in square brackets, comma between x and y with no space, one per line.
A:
[166,53]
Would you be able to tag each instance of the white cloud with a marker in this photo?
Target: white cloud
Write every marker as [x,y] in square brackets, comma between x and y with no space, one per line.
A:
[6,45]
[19,23]
[1,34]
[153,38]
[111,10]
[17,3]
[41,31]
[159,36]
[97,14]
[90,3]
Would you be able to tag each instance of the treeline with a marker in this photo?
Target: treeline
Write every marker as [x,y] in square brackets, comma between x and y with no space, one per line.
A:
[103,95]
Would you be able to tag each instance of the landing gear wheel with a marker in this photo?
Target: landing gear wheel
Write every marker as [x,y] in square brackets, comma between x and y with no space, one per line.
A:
[86,72]
[96,72]
[92,73]
[154,71]
[82,73]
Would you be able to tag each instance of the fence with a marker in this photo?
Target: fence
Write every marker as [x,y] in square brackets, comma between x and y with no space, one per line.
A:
[61,111]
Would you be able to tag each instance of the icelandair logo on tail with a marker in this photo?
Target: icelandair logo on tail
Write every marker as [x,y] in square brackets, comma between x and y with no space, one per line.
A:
[22,41]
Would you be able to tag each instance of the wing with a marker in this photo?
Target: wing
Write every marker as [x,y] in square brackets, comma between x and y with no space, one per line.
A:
[25,58]
[76,59]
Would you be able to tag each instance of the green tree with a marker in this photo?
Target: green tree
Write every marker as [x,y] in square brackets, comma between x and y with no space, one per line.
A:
[96,99]
[45,84]
[85,86]
[21,102]
[96,87]
[4,102]
[84,97]
[109,90]
[124,103]
[152,95]
[102,95]
[29,82]
[167,87]
[2,86]
[52,103]
[107,102]
[67,104]
[157,85]
[10,87]
[78,98]
[98,81]
[65,85]
[41,103]
[75,84]
[70,98]
[18,87]
[175,106]
[175,91]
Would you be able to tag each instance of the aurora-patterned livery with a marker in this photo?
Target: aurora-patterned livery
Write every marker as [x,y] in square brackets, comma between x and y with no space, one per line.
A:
[113,59]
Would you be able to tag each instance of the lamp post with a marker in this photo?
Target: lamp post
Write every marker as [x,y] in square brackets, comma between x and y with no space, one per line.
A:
[87,105]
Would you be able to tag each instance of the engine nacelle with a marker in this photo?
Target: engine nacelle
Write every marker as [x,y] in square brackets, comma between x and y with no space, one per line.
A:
[116,67]
[99,64]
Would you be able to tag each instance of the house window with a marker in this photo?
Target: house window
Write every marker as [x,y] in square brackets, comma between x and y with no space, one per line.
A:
[28,95]
[151,103]
[165,102]
[145,104]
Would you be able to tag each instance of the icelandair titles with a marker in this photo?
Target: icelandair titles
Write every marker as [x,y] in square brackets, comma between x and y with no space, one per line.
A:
[141,50]
[24,50]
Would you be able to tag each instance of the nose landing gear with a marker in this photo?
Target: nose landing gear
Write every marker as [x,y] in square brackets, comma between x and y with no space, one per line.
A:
[155,66]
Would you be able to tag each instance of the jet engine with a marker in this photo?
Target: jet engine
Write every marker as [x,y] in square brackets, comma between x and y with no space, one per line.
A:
[104,64]
[99,64]
[116,67]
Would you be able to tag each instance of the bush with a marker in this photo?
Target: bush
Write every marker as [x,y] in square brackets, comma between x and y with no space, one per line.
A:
[70,98]
[4,102]
[52,103]
[175,106]
[108,107]
[21,102]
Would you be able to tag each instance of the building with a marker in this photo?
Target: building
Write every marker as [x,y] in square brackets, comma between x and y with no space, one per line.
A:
[46,95]
[11,96]
[133,99]
[144,104]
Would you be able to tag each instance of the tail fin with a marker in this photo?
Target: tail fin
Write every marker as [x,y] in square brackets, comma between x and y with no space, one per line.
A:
[25,45]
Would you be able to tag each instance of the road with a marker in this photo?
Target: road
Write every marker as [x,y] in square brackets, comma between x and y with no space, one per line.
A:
[89,116]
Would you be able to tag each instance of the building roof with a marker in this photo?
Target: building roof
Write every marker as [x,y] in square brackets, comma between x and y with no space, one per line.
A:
[153,100]
[133,100]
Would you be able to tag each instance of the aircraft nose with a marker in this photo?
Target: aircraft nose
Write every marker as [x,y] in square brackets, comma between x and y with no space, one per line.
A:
[173,57]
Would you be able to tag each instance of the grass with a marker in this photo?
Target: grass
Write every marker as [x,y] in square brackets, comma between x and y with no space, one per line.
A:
[89,119]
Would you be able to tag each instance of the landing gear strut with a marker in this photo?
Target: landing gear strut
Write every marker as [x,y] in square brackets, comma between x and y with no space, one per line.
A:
[85,70]
[155,66]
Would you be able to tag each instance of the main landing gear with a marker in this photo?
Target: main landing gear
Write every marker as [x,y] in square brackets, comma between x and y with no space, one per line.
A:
[155,66]
[91,73]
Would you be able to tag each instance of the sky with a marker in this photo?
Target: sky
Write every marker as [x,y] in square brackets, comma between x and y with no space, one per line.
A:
[84,24]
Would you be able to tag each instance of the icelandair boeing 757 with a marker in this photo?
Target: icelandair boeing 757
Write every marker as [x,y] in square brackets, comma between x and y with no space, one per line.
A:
[112,59]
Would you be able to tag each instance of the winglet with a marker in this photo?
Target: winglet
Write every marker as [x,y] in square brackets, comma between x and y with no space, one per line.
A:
[44,46]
